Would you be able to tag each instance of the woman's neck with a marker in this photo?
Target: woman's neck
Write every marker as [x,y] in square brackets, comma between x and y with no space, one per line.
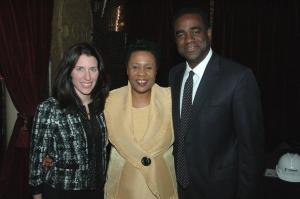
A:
[140,100]
[85,100]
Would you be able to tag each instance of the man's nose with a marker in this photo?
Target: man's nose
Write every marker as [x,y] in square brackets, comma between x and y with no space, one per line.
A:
[190,37]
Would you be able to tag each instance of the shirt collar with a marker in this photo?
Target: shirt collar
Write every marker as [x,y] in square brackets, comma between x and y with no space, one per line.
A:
[198,70]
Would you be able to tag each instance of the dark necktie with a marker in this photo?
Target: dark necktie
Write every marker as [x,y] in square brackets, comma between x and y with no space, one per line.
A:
[186,110]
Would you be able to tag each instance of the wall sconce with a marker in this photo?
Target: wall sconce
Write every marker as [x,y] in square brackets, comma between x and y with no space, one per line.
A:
[118,22]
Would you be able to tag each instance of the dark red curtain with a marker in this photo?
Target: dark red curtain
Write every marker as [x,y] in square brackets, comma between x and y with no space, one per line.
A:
[265,35]
[25,28]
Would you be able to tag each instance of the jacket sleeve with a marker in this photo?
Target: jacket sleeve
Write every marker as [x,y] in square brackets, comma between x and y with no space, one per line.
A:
[248,123]
[43,126]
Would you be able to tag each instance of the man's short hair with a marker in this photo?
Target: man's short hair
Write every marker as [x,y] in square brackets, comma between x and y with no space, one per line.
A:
[193,10]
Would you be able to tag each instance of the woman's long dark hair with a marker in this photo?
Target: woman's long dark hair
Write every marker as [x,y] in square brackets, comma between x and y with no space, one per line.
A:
[63,88]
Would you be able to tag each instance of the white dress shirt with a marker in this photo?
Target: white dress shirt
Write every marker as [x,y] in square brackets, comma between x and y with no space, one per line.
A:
[198,70]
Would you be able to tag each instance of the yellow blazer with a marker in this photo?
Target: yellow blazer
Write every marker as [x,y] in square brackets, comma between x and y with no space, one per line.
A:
[127,154]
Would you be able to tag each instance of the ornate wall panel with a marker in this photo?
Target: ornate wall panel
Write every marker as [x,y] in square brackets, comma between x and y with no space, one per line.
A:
[72,23]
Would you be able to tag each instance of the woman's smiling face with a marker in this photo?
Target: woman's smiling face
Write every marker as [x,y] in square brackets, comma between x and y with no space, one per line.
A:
[141,71]
[85,75]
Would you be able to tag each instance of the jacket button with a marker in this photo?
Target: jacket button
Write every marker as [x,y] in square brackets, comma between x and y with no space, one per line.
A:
[146,161]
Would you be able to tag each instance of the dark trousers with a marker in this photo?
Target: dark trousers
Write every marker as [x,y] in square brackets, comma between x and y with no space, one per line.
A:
[52,193]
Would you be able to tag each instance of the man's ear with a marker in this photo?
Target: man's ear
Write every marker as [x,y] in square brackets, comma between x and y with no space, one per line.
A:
[209,33]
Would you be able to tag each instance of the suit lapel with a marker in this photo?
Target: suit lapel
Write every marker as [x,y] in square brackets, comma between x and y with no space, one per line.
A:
[208,81]
[176,98]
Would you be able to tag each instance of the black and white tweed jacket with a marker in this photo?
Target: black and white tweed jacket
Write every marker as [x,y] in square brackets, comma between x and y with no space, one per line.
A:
[62,136]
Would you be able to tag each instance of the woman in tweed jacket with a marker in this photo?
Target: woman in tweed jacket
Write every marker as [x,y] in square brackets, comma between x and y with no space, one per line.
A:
[70,128]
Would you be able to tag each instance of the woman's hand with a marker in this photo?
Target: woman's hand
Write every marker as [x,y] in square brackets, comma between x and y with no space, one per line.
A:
[47,162]
[37,196]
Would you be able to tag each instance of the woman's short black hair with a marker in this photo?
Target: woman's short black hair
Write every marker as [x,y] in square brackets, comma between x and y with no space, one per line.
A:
[143,45]
[63,88]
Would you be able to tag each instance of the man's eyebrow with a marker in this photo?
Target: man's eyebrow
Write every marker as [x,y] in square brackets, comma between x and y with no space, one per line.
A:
[195,27]
[179,31]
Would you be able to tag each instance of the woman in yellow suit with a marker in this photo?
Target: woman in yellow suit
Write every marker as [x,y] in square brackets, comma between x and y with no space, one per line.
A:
[139,124]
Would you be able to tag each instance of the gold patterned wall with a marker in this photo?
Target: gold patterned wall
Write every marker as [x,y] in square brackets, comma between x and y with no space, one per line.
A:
[72,23]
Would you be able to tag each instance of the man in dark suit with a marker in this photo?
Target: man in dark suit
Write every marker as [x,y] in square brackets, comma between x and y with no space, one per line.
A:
[218,146]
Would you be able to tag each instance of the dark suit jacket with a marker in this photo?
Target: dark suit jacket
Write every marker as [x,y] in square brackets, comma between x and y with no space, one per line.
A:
[224,145]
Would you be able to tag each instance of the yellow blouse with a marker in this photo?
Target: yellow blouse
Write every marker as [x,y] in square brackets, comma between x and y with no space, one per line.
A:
[140,122]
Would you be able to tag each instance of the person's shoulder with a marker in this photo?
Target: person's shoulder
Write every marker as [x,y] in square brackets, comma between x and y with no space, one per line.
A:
[164,91]
[231,69]
[161,88]
[48,107]
[175,72]
[49,103]
[229,64]
[118,91]
[177,67]
[162,95]
[116,96]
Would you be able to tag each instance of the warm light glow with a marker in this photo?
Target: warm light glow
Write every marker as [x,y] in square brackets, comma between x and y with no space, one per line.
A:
[117,23]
